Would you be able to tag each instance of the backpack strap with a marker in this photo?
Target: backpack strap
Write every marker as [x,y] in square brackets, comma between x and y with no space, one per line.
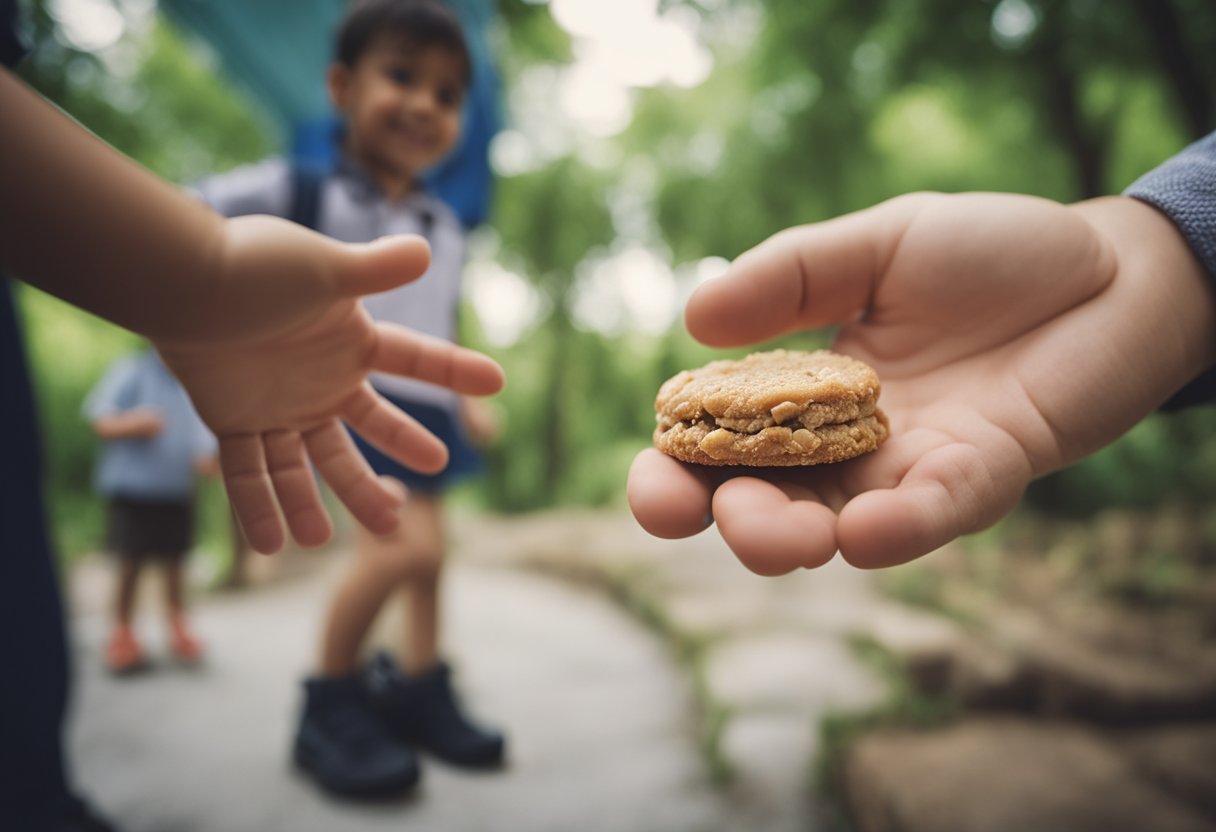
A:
[305,206]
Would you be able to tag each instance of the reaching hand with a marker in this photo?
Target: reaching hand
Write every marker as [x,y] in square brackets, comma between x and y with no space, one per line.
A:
[257,317]
[1012,336]
[287,363]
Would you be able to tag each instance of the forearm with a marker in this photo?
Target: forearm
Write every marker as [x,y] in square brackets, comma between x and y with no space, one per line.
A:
[130,425]
[83,222]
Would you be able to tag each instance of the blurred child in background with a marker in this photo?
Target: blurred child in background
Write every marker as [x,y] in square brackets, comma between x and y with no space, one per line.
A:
[154,446]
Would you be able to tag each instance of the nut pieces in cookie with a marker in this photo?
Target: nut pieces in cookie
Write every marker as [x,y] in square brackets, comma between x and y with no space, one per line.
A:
[778,408]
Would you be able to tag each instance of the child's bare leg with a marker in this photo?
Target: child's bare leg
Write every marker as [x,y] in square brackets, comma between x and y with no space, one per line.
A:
[126,590]
[342,739]
[182,641]
[123,652]
[352,609]
[421,593]
[175,594]
[382,564]
[418,701]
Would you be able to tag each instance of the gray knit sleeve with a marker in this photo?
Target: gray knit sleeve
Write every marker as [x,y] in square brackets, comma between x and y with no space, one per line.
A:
[1184,189]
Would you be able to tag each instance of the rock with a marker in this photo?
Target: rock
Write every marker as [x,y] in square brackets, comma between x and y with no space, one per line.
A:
[1005,775]
[1076,679]
[1056,674]
[1181,759]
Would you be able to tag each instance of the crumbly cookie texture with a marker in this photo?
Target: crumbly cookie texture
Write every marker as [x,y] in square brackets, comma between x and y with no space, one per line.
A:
[771,409]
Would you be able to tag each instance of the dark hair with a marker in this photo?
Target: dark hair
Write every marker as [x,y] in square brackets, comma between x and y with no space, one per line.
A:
[420,23]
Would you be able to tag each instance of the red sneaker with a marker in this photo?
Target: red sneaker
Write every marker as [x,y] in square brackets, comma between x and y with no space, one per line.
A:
[185,646]
[123,653]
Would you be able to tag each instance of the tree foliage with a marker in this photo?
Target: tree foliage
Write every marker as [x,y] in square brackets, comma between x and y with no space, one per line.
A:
[813,108]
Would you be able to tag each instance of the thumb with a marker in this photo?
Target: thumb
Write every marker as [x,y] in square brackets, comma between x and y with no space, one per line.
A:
[383,264]
[801,278]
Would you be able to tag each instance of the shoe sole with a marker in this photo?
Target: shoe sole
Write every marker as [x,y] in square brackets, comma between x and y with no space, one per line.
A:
[489,761]
[358,791]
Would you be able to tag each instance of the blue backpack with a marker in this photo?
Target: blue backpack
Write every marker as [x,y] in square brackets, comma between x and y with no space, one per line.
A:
[305,205]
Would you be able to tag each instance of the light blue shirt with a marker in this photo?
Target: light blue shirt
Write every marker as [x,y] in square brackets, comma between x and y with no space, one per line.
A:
[160,467]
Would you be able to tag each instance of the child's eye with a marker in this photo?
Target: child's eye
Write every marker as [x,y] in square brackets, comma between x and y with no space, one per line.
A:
[400,75]
[449,96]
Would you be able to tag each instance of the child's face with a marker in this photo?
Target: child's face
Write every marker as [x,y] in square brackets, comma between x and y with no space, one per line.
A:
[402,106]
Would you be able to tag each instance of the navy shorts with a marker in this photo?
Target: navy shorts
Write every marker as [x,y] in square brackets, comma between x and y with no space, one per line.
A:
[463,458]
[137,528]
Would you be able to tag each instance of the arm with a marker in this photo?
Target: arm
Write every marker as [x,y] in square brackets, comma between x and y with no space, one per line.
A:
[207,466]
[1012,335]
[139,423]
[257,317]
[480,419]
[149,248]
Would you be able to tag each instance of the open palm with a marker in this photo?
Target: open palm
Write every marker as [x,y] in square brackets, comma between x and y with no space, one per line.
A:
[276,378]
[1010,336]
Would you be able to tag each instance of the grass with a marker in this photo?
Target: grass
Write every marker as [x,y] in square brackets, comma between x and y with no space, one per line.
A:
[904,707]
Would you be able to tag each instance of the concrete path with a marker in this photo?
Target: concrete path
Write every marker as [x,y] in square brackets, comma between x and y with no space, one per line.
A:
[598,721]
[609,729]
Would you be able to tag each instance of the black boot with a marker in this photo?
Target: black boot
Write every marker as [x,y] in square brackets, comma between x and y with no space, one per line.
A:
[345,747]
[78,816]
[423,711]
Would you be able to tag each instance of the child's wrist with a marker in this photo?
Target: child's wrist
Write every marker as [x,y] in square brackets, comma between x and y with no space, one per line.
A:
[1178,296]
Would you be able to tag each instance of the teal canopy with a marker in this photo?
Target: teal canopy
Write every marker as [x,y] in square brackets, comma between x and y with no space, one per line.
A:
[279,51]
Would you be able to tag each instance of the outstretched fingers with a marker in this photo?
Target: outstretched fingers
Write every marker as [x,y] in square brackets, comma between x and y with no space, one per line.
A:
[296,489]
[370,499]
[269,481]
[405,353]
[251,492]
[394,432]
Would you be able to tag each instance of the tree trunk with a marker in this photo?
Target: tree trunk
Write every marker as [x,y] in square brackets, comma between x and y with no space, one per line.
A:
[1060,90]
[554,435]
[1187,83]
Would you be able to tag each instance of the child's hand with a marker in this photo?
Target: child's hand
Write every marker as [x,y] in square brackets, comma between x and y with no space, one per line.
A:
[276,376]
[1012,336]
[208,466]
[145,422]
[480,420]
[136,423]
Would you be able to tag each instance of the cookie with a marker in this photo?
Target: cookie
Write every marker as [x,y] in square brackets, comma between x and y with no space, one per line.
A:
[771,409]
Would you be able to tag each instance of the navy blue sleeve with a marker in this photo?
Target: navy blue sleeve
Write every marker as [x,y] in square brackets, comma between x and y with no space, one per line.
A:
[12,47]
[1184,189]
